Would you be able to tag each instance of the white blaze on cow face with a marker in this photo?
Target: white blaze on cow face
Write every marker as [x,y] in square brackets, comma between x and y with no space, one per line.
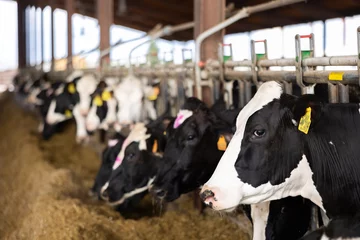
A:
[137,134]
[129,95]
[224,182]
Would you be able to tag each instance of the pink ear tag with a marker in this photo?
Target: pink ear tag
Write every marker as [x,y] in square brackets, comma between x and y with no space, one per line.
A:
[181,117]
[177,122]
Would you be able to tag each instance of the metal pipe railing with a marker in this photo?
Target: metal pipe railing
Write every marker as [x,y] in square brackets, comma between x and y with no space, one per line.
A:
[243,13]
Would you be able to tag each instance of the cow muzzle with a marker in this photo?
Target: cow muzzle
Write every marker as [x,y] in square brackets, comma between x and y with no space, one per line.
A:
[216,199]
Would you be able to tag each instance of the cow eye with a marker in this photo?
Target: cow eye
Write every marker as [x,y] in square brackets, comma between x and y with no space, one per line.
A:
[259,133]
[130,155]
[190,137]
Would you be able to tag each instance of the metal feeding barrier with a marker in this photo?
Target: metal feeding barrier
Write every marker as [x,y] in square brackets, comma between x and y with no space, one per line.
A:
[221,75]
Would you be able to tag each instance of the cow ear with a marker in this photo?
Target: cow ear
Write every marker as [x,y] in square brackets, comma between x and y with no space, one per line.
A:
[306,111]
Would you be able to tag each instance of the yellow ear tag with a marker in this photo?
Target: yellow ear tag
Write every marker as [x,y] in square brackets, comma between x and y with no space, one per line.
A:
[156,92]
[98,101]
[164,133]
[68,113]
[305,121]
[155,146]
[221,144]
[71,88]
[106,96]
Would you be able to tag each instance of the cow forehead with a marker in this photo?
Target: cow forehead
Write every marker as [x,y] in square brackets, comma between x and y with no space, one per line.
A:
[266,93]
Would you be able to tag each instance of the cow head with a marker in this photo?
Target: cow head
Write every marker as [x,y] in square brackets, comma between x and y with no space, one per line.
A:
[85,86]
[191,152]
[135,166]
[62,105]
[129,94]
[108,159]
[265,160]
[102,109]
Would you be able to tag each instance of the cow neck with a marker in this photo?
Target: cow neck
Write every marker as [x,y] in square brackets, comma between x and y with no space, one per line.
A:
[332,149]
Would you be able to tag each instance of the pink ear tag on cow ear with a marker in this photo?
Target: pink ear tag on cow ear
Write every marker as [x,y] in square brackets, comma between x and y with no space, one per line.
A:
[181,117]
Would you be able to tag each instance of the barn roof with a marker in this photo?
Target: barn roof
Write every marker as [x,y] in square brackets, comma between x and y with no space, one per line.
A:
[145,14]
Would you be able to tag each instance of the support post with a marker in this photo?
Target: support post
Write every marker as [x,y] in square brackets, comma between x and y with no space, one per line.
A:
[21,34]
[105,15]
[70,8]
[208,14]
[52,41]
[42,38]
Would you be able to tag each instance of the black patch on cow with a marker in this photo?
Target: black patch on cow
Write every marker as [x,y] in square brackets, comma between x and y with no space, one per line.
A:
[289,218]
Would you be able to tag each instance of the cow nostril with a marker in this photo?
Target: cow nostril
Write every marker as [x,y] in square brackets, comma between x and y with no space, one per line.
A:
[210,204]
[206,194]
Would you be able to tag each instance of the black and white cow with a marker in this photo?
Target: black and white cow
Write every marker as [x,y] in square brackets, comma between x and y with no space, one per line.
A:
[291,146]
[73,101]
[103,109]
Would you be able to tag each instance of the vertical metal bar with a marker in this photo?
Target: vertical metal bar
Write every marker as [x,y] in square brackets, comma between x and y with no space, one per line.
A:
[333,93]
[343,93]
[358,43]
[70,11]
[21,16]
[288,87]
[298,62]
[248,92]
[242,94]
[52,41]
[42,38]
[35,35]
[208,14]
[105,15]
[253,65]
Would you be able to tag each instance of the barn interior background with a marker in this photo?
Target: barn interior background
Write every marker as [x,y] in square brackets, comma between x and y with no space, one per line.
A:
[301,43]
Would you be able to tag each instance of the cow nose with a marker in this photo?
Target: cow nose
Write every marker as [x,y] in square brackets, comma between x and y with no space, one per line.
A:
[208,197]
